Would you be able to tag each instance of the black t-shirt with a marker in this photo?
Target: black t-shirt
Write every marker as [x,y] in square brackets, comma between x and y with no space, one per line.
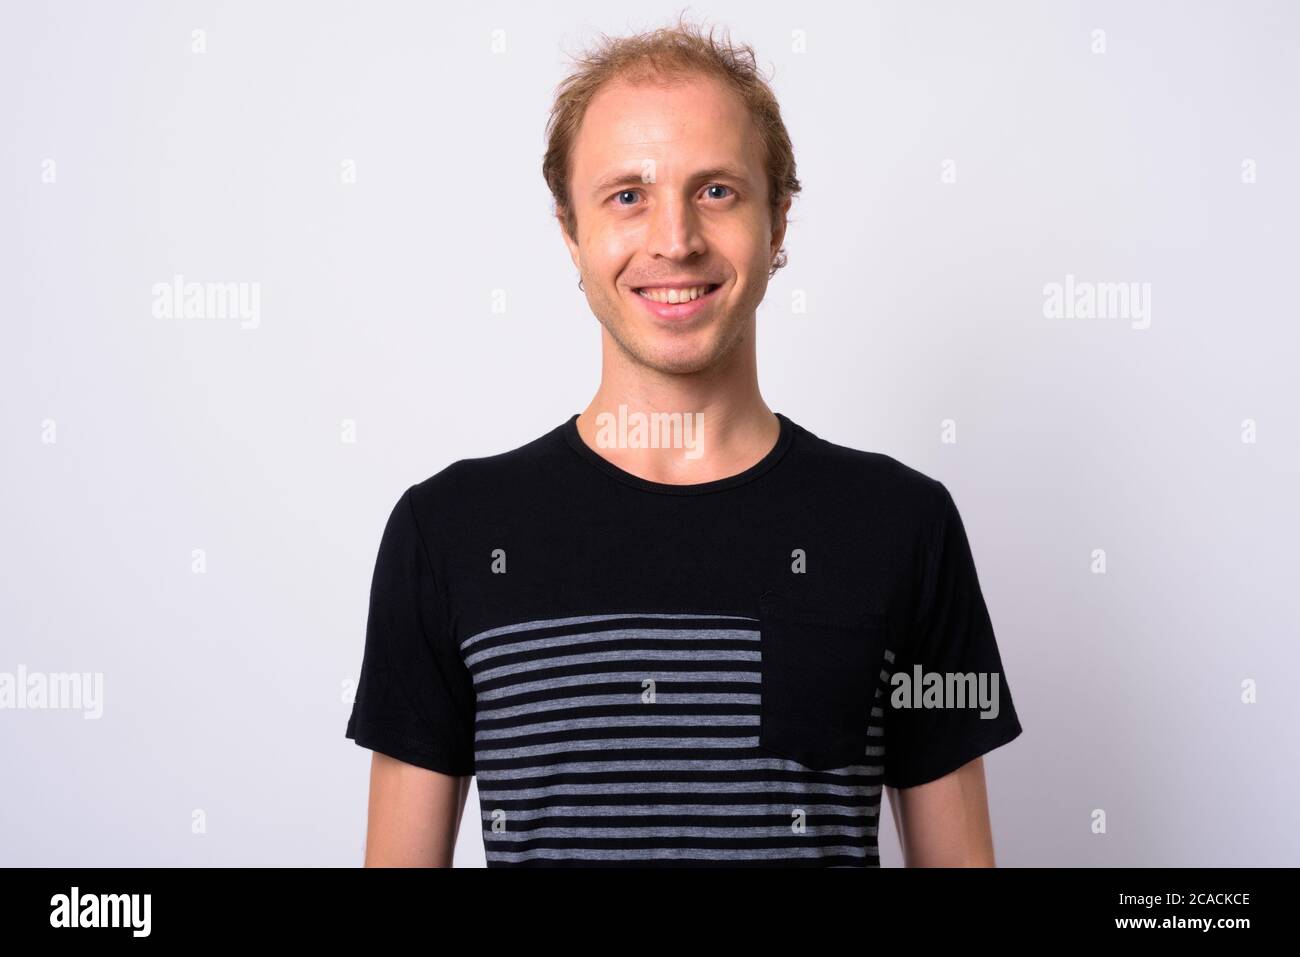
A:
[643,673]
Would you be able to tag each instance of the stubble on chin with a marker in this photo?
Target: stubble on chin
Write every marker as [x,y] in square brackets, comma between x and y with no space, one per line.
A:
[686,355]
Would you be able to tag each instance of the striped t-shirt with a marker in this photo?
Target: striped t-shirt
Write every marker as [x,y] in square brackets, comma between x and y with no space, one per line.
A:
[645,674]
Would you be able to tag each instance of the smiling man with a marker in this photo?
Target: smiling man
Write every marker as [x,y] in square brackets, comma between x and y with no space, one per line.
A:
[666,631]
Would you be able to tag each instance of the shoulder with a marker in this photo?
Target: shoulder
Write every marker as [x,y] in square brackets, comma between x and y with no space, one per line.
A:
[875,477]
[468,486]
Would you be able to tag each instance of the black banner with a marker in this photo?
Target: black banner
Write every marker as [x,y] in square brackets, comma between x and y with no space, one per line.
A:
[238,905]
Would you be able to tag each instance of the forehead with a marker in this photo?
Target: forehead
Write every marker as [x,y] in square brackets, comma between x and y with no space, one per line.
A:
[696,119]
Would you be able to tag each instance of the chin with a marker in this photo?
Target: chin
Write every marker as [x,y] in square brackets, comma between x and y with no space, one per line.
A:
[680,361]
[680,354]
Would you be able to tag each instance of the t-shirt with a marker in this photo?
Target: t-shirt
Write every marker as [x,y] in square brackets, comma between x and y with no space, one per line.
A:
[718,674]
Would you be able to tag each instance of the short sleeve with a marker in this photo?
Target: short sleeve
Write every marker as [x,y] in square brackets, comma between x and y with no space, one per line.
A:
[414,698]
[951,637]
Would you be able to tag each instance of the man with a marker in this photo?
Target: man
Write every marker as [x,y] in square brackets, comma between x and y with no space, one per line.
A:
[685,647]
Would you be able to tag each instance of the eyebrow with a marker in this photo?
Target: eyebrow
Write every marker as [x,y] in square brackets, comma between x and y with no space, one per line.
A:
[608,183]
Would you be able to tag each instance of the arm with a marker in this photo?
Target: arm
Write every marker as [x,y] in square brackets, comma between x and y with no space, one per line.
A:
[414,815]
[945,823]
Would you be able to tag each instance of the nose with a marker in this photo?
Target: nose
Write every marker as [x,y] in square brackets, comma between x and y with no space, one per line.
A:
[674,230]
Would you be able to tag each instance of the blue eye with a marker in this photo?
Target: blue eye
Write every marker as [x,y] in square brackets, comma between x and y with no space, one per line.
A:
[618,197]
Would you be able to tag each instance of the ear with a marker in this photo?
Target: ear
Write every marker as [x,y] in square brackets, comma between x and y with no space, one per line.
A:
[778,227]
[569,241]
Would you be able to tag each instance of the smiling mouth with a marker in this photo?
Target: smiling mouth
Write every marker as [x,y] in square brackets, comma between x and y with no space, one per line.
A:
[675,296]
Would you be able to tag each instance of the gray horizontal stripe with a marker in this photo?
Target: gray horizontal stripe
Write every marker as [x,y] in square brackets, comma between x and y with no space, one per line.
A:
[619,744]
[633,695]
[721,832]
[646,764]
[659,654]
[803,788]
[617,634]
[675,853]
[683,810]
[612,721]
[541,623]
[615,677]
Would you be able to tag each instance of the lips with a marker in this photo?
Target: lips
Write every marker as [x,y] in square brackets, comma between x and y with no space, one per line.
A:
[677,292]
[679,311]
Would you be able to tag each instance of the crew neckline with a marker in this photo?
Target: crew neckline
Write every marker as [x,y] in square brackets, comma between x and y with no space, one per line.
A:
[783,442]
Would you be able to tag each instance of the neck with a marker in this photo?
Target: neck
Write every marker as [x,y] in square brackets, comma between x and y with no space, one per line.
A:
[680,428]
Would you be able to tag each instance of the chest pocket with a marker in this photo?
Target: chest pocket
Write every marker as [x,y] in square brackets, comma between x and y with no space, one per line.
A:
[820,671]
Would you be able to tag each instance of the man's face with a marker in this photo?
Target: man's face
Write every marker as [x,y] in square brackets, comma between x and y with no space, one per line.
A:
[669,190]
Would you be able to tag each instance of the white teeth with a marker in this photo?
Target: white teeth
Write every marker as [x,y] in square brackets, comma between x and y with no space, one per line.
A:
[674,295]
